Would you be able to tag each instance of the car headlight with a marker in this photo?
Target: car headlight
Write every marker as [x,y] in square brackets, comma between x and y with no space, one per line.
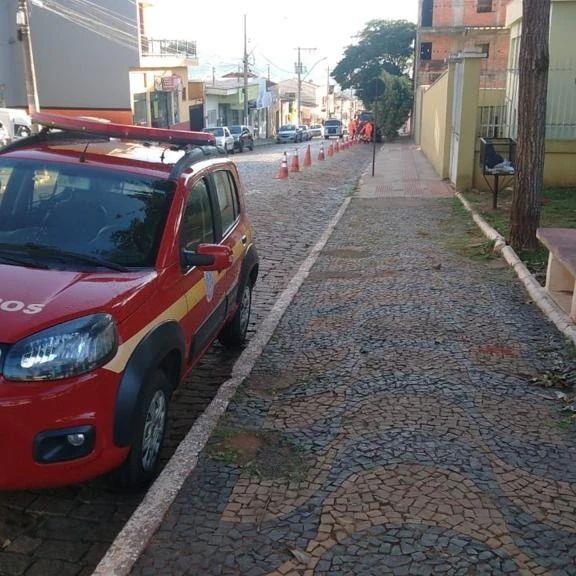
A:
[65,350]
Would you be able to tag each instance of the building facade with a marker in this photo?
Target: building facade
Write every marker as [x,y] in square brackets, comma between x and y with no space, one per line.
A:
[81,67]
[159,91]
[447,27]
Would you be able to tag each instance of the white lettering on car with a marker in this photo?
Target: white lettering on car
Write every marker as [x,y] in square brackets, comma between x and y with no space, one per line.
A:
[16,306]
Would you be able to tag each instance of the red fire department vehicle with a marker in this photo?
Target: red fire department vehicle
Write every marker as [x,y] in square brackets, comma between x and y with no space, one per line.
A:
[124,252]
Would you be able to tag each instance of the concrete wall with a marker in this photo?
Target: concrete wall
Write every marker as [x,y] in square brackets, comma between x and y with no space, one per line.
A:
[76,68]
[435,123]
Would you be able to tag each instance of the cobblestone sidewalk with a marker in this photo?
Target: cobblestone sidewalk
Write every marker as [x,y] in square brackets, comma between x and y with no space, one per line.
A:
[390,426]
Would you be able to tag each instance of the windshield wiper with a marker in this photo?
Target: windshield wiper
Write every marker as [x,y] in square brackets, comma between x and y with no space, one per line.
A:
[21,261]
[54,251]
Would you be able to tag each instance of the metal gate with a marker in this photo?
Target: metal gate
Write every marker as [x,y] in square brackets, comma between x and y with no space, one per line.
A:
[456,120]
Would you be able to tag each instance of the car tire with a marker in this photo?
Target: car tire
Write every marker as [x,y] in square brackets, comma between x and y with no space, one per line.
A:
[241,148]
[142,464]
[233,334]
[251,147]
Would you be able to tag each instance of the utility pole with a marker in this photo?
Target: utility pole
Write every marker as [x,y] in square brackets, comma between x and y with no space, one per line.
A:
[299,73]
[24,35]
[245,61]
[328,93]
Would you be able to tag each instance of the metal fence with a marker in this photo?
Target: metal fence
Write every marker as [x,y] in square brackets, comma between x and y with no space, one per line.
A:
[498,106]
[161,47]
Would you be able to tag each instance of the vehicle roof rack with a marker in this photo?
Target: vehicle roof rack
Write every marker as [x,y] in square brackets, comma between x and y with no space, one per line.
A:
[192,156]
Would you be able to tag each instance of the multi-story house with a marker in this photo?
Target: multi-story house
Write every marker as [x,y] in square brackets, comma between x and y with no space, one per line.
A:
[159,80]
[81,58]
[447,27]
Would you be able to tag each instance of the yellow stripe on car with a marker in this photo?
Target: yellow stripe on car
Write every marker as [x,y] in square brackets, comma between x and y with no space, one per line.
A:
[176,312]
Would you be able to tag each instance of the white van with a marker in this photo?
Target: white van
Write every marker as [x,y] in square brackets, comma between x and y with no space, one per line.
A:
[333,127]
[14,123]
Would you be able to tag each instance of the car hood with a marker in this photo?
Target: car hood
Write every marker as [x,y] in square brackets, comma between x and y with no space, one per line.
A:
[32,299]
[287,132]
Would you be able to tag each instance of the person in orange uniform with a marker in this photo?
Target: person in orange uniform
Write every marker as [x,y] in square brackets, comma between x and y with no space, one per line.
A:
[368,129]
[352,128]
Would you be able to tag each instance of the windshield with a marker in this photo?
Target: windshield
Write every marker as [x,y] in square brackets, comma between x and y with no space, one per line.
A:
[215,131]
[332,123]
[107,215]
[288,128]
[235,129]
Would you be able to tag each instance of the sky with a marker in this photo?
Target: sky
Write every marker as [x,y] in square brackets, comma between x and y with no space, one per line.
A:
[275,29]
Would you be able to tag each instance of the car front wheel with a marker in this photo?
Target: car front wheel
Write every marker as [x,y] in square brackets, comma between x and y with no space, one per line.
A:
[141,465]
[233,334]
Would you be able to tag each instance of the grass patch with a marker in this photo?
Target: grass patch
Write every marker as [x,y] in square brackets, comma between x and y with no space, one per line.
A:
[264,454]
[558,211]
[564,424]
[466,239]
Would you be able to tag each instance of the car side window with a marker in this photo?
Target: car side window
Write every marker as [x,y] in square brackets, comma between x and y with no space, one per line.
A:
[234,190]
[227,199]
[198,222]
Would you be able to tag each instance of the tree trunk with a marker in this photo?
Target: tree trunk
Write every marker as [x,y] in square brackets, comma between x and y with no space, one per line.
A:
[530,152]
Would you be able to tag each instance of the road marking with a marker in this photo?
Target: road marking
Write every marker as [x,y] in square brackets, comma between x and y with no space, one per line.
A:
[138,531]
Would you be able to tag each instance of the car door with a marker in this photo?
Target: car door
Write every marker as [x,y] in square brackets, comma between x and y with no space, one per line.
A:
[199,226]
[225,188]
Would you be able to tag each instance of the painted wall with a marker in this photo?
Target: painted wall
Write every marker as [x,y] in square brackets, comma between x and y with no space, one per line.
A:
[434,131]
[76,68]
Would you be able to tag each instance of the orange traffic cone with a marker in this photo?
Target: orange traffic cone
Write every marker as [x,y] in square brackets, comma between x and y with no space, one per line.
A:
[321,156]
[337,147]
[283,172]
[295,166]
[308,157]
[330,150]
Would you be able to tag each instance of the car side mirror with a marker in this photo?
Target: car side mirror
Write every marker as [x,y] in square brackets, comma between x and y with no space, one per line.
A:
[208,257]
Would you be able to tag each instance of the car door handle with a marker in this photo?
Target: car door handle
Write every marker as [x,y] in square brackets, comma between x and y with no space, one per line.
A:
[244,239]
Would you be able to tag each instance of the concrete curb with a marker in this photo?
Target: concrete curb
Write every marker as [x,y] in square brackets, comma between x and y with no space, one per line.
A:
[134,537]
[537,293]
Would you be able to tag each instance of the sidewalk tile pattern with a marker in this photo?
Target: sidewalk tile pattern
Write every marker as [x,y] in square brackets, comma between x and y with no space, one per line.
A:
[401,374]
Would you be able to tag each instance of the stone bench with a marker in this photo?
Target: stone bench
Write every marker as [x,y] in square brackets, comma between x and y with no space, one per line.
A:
[561,274]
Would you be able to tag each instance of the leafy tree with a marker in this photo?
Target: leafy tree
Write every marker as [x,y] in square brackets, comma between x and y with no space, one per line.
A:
[395,104]
[383,46]
[377,69]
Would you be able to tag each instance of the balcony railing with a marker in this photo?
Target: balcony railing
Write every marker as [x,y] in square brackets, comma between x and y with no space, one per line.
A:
[174,48]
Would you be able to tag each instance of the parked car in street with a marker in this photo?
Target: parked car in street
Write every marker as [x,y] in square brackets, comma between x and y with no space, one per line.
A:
[243,137]
[288,133]
[333,127]
[3,135]
[304,130]
[224,139]
[125,252]
[15,123]
[315,130]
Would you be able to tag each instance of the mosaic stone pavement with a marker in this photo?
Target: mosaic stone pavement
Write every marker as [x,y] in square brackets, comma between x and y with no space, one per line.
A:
[400,378]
